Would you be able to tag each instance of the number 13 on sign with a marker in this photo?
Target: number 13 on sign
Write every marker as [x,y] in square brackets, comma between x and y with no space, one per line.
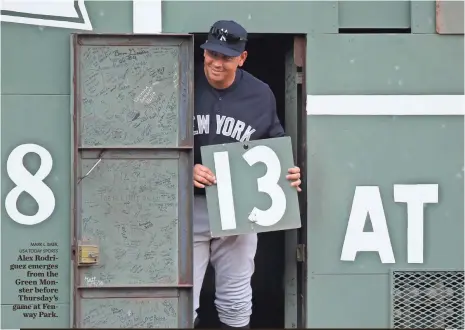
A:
[267,184]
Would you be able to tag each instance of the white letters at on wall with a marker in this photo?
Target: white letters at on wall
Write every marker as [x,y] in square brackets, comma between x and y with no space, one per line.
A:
[367,201]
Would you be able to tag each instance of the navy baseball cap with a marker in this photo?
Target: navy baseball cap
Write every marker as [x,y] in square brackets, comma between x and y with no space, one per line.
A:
[227,38]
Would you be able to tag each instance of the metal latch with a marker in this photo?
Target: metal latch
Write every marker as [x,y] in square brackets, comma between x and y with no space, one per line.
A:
[300,251]
[88,254]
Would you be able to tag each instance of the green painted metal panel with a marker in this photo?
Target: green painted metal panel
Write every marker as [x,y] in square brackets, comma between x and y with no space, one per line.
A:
[23,46]
[392,153]
[131,313]
[382,64]
[130,96]
[255,16]
[247,178]
[423,16]
[43,120]
[348,301]
[374,14]
[129,208]
[133,178]
[350,151]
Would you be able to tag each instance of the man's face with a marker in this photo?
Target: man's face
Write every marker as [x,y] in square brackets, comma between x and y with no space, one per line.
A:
[221,68]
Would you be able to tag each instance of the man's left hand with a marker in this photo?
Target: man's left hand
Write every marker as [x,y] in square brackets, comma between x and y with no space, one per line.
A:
[294,177]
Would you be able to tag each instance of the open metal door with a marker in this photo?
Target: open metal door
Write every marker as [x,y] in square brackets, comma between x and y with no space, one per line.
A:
[132,204]
[295,269]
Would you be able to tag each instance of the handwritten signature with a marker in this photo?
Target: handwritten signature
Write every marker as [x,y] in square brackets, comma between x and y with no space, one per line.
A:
[145,96]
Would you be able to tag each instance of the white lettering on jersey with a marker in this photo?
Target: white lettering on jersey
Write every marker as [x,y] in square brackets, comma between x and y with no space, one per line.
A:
[226,126]
[219,123]
[203,124]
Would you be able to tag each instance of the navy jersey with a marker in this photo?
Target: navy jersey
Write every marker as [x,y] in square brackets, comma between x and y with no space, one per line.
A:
[242,112]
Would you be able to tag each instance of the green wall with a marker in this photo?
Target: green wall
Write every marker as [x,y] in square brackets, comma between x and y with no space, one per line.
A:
[343,151]
[35,108]
[349,151]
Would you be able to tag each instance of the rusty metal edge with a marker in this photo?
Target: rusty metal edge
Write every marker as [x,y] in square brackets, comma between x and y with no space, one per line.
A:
[438,18]
[186,189]
[440,21]
[126,148]
[96,154]
[137,287]
[132,35]
[127,39]
[186,112]
[300,48]
[74,174]
[185,215]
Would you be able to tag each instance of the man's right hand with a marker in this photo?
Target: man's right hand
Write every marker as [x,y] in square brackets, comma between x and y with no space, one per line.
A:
[203,176]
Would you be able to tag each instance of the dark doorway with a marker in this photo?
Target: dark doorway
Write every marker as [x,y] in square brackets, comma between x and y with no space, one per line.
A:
[266,61]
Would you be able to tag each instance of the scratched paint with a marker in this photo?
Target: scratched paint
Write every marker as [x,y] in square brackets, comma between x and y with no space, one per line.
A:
[130,209]
[130,313]
[115,77]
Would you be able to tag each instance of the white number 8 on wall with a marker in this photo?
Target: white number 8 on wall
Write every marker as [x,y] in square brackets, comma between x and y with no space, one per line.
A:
[32,184]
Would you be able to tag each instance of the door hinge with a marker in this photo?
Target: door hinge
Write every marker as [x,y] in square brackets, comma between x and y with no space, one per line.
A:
[300,253]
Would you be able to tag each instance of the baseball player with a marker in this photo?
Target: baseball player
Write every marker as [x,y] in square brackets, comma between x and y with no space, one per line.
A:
[231,105]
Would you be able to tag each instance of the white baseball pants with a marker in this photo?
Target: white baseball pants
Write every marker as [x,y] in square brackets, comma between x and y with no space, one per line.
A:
[233,261]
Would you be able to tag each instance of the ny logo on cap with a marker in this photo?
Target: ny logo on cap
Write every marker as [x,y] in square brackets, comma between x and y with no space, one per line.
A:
[223,34]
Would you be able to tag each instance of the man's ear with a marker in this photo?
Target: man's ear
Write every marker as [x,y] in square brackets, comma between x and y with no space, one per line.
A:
[242,58]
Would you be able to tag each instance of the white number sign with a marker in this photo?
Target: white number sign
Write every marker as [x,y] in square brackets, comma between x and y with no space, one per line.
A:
[267,184]
[32,184]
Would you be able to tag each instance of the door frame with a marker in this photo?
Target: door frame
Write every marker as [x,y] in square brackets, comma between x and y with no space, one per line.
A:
[296,239]
[300,54]
[296,243]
